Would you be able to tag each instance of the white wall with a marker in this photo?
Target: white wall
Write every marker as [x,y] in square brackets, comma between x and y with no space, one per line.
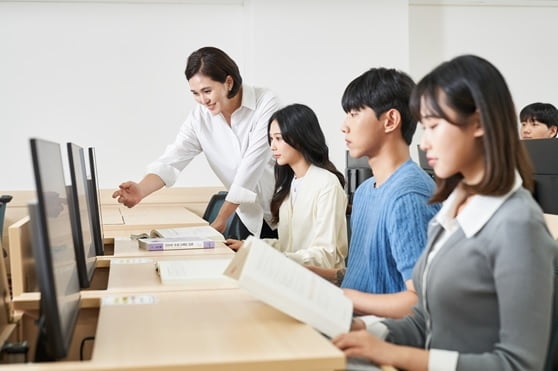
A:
[109,74]
[312,49]
[519,37]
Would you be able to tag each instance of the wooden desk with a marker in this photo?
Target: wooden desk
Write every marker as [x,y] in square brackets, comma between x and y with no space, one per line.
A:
[209,330]
[111,216]
[123,221]
[197,330]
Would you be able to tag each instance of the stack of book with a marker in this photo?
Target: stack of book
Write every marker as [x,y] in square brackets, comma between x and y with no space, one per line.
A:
[203,237]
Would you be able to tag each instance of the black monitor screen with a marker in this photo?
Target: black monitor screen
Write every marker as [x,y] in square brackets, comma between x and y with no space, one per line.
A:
[95,203]
[54,253]
[78,196]
[357,170]
[544,155]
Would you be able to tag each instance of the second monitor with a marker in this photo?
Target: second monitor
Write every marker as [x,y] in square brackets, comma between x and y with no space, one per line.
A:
[82,224]
[95,202]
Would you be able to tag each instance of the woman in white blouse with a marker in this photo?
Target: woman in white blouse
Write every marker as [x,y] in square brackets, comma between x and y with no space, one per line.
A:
[309,203]
[229,125]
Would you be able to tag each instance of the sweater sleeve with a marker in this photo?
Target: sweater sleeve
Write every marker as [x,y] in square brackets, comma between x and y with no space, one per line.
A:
[410,214]
[410,330]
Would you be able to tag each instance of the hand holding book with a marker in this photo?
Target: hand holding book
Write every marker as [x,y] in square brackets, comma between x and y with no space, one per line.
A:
[289,287]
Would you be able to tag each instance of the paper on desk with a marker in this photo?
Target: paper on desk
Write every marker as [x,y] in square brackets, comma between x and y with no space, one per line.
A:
[184,271]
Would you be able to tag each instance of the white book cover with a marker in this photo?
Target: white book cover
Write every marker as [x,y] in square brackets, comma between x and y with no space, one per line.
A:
[204,232]
[280,282]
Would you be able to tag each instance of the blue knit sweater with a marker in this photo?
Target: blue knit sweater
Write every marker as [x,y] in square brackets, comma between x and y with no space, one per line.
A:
[388,230]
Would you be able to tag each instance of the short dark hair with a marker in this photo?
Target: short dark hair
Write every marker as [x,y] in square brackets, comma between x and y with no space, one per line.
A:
[541,112]
[382,89]
[215,64]
[469,84]
[301,130]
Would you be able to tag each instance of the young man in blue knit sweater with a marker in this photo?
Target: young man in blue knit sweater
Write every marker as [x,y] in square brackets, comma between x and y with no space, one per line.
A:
[390,210]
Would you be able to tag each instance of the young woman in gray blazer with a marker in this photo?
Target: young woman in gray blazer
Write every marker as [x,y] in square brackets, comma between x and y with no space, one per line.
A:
[485,280]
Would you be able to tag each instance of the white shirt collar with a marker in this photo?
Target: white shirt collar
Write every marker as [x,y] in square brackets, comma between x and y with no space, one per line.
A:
[248,97]
[478,210]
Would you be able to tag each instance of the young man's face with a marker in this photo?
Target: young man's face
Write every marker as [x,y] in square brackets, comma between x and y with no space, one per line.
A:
[364,132]
[533,129]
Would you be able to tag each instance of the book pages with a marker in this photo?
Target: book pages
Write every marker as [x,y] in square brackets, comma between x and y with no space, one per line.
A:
[289,287]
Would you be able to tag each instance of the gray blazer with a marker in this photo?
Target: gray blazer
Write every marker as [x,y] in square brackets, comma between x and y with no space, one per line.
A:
[488,296]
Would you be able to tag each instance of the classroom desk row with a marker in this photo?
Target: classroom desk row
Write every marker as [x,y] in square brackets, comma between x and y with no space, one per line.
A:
[119,222]
[205,325]
[139,323]
[202,330]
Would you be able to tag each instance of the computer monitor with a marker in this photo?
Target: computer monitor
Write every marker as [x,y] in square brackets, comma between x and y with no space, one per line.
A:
[54,254]
[543,154]
[95,203]
[78,202]
[357,170]
[544,157]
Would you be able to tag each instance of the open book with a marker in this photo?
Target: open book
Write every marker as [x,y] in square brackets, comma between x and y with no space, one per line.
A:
[185,271]
[282,283]
[203,232]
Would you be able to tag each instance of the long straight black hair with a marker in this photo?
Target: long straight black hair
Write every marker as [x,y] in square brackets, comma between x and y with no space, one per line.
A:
[469,84]
[301,130]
